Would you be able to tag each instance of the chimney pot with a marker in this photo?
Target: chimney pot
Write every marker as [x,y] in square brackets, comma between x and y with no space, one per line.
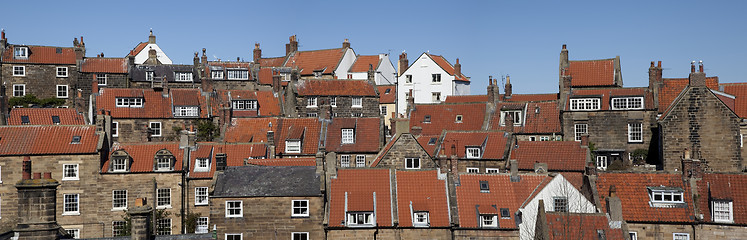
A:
[37,175]
[47,175]
[652,63]
[700,66]
[564,46]
[658,64]
[2,34]
[26,167]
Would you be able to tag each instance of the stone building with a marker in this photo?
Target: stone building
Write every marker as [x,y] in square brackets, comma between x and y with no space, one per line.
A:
[432,77]
[403,152]
[231,75]
[100,72]
[230,104]
[469,151]
[356,141]
[387,104]
[345,98]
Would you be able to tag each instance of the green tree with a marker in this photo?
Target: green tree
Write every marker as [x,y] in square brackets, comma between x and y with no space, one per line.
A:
[206,130]
[29,100]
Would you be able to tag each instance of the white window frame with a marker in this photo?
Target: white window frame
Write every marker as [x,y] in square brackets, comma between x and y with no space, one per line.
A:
[347,136]
[75,172]
[368,218]
[488,220]
[150,76]
[61,72]
[216,74]
[602,162]
[129,102]
[585,104]
[473,152]
[201,196]
[115,129]
[300,208]
[186,111]
[163,198]
[119,164]
[16,89]
[156,130]
[183,76]
[202,225]
[633,235]
[473,170]
[412,163]
[293,146]
[516,114]
[436,78]
[360,161]
[19,71]
[663,194]
[722,211]
[237,74]
[492,170]
[345,161]
[635,132]
[233,235]
[311,102]
[383,110]
[100,77]
[680,236]
[299,235]
[202,164]
[420,219]
[71,206]
[435,97]
[163,226]
[20,52]
[626,103]
[544,138]
[115,200]
[333,101]
[580,129]
[356,102]
[74,232]
[244,104]
[229,208]
[65,91]
[163,164]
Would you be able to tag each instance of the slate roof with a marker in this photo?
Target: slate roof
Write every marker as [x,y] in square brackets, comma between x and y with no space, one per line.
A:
[250,129]
[739,90]
[303,161]
[47,140]
[137,73]
[223,66]
[104,65]
[267,103]
[443,117]
[632,188]
[360,185]
[502,194]
[606,94]
[365,134]
[235,156]
[335,88]
[672,87]
[588,73]
[325,60]
[41,55]
[155,105]
[492,144]
[559,155]
[361,63]
[386,98]
[580,226]
[728,187]
[447,67]
[423,191]
[539,117]
[267,181]
[43,116]
[143,154]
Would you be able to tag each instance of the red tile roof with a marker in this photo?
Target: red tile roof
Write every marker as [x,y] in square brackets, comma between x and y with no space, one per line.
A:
[607,93]
[539,118]
[443,117]
[632,188]
[580,226]
[559,155]
[104,65]
[739,90]
[43,116]
[423,140]
[592,73]
[235,155]
[502,194]
[47,140]
[268,104]
[265,76]
[250,129]
[492,144]
[466,98]
[143,154]
[422,191]
[384,97]
[724,187]
[325,60]
[395,141]
[531,97]
[335,88]
[272,62]
[283,162]
[365,133]
[305,129]
[446,66]
[138,48]
[359,185]
[155,105]
[361,63]
[672,87]
[42,55]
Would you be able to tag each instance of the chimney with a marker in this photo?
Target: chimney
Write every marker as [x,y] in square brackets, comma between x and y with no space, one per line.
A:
[507,88]
[655,80]
[564,84]
[514,165]
[346,44]
[402,64]
[152,57]
[371,76]
[585,140]
[697,79]
[491,95]
[541,230]
[614,205]
[37,206]
[203,59]
[80,50]
[457,68]
[271,144]
[220,161]
[292,45]
[80,102]
[509,122]
[410,104]
[140,223]
[151,37]
[257,53]
[3,41]
[26,167]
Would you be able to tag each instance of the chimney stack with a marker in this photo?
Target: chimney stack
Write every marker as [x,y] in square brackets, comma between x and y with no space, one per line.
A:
[3,41]
[371,75]
[346,44]
[457,68]
[697,79]
[491,95]
[37,206]
[402,64]
[151,37]
[271,144]
[514,165]
[507,88]
[655,80]
[140,225]
[257,53]
[292,45]
[585,140]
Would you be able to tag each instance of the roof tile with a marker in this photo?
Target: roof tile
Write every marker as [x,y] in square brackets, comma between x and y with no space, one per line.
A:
[359,186]
[592,73]
[502,194]
[47,140]
[423,191]
[632,188]
[104,65]
[559,155]
[43,116]
[443,117]
[325,60]
[42,55]
[365,134]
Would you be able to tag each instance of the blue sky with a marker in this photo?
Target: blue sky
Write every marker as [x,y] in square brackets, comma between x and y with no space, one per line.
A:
[519,38]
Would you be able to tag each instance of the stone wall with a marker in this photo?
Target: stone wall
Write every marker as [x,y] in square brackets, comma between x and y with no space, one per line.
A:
[719,232]
[475,234]
[41,80]
[268,218]
[406,147]
[135,130]
[370,106]
[608,130]
[660,231]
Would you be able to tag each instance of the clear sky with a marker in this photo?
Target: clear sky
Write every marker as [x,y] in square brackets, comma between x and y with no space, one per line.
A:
[519,38]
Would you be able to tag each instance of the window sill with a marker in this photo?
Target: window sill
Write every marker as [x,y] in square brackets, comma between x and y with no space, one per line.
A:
[62,97]
[234,216]
[61,76]
[356,107]
[71,214]
[201,204]
[70,179]
[300,216]
[164,207]
[311,106]
[118,209]
[19,75]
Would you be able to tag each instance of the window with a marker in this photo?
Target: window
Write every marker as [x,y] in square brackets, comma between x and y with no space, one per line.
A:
[473,170]
[357,114]
[156,128]
[19,71]
[71,204]
[505,213]
[202,165]
[584,104]
[149,76]
[580,129]
[626,103]
[19,90]
[360,218]
[101,79]
[484,186]
[345,161]
[234,209]
[163,198]
[432,141]
[532,138]
[163,226]
[427,119]
[69,172]
[312,114]
[666,196]
[300,208]
[202,225]
[311,102]
[488,220]
[515,115]
[186,112]
[293,146]
[244,104]
[348,136]
[473,152]
[387,91]
[129,102]
[75,233]
[300,236]
[20,52]
[633,235]
[458,119]
[61,91]
[635,132]
[183,76]
[383,110]
[680,236]
[234,236]
[408,78]
[360,161]
[544,138]
[722,211]
[238,74]
[357,102]
[560,204]
[420,219]
[492,170]
[216,74]
[435,97]
[119,164]
[75,140]
[412,163]
[163,164]
[115,129]
[333,101]
[118,228]
[436,77]
[602,162]
[119,199]
[201,196]
[61,71]
[56,120]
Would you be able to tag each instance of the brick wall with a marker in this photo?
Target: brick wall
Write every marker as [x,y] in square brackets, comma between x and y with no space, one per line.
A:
[268,218]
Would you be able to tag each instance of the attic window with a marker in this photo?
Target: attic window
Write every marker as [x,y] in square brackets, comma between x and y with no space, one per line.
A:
[58,50]
[427,119]
[387,91]
[21,52]
[473,152]
[24,119]
[505,213]
[458,119]
[484,187]
[432,141]
[666,197]
[56,120]
[76,140]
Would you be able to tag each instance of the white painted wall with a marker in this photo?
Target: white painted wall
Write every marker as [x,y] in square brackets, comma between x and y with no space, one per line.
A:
[347,60]
[559,187]
[384,72]
[421,70]
[461,88]
[143,55]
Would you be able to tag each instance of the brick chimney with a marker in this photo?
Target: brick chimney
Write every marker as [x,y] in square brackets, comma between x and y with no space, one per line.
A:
[564,81]
[257,53]
[152,57]
[292,45]
[457,68]
[151,37]
[203,59]
[402,64]
[371,75]
[80,50]
[140,226]
[655,81]
[270,144]
[507,88]
[584,140]
[3,41]
[346,44]
[37,205]
[697,79]
[509,122]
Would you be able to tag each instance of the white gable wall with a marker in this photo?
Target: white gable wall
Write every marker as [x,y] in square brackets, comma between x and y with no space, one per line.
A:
[143,55]
[384,73]
[347,60]
[422,83]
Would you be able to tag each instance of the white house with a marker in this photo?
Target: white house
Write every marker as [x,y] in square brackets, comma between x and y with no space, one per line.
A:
[431,78]
[383,69]
[141,51]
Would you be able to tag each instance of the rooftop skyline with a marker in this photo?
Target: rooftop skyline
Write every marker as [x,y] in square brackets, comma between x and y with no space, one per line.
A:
[490,38]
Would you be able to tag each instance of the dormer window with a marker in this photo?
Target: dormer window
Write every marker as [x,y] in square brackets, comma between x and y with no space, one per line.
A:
[514,114]
[129,102]
[584,104]
[164,160]
[473,152]
[357,102]
[627,103]
[505,214]
[238,74]
[348,136]
[311,102]
[293,146]
[722,211]
[420,219]
[484,187]
[183,76]
[20,52]
[119,164]
[666,197]
[360,219]
[186,111]
[216,74]
[488,220]
[202,165]
[244,104]
[150,75]
[427,119]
